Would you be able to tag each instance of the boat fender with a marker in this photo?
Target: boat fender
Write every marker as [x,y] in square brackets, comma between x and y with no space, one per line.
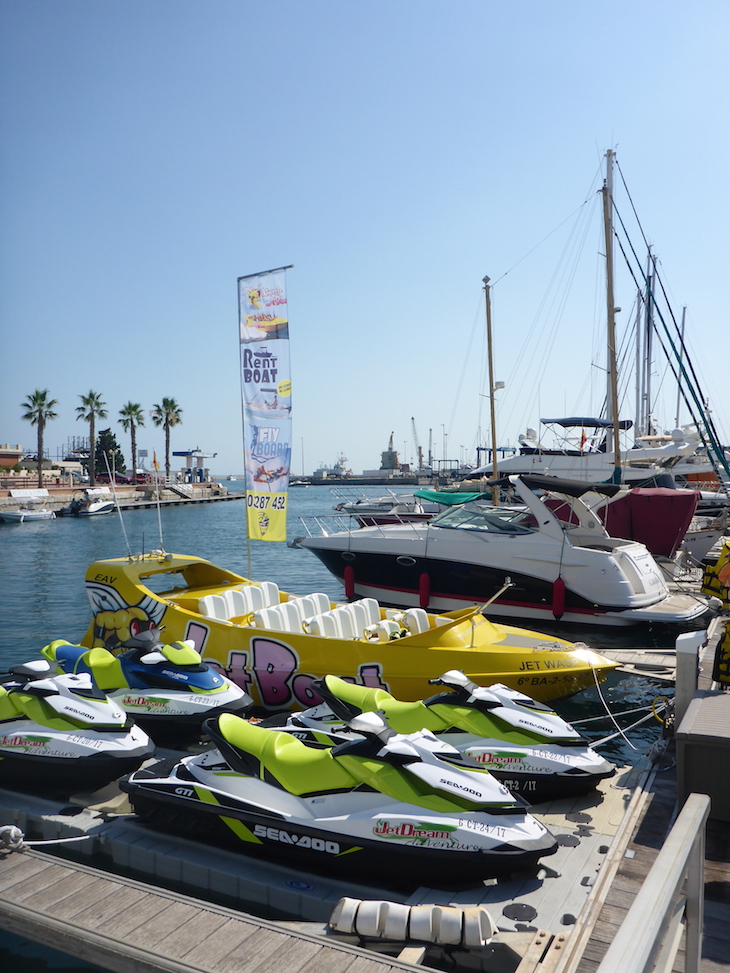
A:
[443,925]
[558,597]
[424,590]
[349,579]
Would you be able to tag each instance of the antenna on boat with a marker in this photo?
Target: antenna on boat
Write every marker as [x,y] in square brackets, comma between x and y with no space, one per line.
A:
[159,518]
[113,484]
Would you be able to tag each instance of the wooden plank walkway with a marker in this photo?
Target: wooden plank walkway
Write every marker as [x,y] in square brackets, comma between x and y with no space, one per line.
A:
[655,822]
[129,927]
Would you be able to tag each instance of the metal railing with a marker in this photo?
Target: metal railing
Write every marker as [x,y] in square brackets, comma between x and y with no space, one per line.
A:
[649,935]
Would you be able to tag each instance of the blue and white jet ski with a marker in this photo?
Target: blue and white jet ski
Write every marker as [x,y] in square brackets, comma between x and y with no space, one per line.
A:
[168,689]
[406,807]
[525,744]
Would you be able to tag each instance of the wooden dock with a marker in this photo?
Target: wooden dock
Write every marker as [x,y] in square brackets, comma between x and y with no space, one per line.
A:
[130,927]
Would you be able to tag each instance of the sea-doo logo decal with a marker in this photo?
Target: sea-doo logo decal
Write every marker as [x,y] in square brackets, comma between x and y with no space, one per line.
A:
[175,675]
[300,840]
[460,787]
[421,832]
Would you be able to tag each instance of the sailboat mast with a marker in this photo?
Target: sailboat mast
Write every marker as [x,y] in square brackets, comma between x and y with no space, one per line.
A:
[611,315]
[490,355]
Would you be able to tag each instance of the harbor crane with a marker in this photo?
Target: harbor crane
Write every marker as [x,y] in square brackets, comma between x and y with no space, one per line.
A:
[419,451]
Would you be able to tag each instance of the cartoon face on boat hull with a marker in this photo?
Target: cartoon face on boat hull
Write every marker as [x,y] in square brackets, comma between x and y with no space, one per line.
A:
[274,654]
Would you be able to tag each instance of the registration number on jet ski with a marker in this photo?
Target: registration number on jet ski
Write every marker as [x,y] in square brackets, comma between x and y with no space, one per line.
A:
[300,840]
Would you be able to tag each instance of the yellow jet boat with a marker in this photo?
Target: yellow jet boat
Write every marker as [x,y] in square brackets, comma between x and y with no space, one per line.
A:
[273,644]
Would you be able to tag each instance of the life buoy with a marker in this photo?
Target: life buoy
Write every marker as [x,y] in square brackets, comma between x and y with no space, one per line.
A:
[558,597]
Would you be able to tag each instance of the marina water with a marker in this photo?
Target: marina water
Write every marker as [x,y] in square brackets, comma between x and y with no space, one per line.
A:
[43,565]
[42,597]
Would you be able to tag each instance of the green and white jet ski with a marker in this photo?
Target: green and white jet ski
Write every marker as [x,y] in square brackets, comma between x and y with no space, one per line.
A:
[403,807]
[525,744]
[60,734]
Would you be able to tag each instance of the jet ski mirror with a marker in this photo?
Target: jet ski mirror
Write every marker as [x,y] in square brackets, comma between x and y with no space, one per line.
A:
[372,725]
[455,678]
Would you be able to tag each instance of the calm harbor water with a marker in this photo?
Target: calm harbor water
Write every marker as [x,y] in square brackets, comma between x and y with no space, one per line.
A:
[43,564]
[42,597]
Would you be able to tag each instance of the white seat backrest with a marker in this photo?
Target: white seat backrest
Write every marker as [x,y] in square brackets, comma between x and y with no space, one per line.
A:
[257,598]
[385,629]
[416,620]
[372,608]
[268,618]
[360,617]
[213,606]
[290,617]
[305,607]
[321,601]
[236,601]
[346,621]
[324,626]
[270,591]
[245,590]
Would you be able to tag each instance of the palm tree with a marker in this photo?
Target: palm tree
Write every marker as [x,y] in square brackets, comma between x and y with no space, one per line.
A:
[132,416]
[168,414]
[38,410]
[91,409]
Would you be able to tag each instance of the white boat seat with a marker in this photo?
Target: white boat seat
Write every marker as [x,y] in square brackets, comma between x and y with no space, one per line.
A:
[346,621]
[310,605]
[361,617]
[236,602]
[290,616]
[416,620]
[269,618]
[270,592]
[303,606]
[372,608]
[324,625]
[256,597]
[214,606]
[383,631]
[321,601]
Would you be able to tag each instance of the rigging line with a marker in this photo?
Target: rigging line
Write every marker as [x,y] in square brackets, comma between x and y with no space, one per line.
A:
[623,712]
[560,282]
[612,736]
[606,707]
[651,294]
[694,388]
[636,215]
[540,243]
[668,357]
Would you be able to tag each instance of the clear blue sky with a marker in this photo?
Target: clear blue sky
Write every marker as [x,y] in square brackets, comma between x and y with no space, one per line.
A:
[394,152]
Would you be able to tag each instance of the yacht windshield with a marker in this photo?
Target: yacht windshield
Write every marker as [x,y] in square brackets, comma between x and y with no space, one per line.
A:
[493,520]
